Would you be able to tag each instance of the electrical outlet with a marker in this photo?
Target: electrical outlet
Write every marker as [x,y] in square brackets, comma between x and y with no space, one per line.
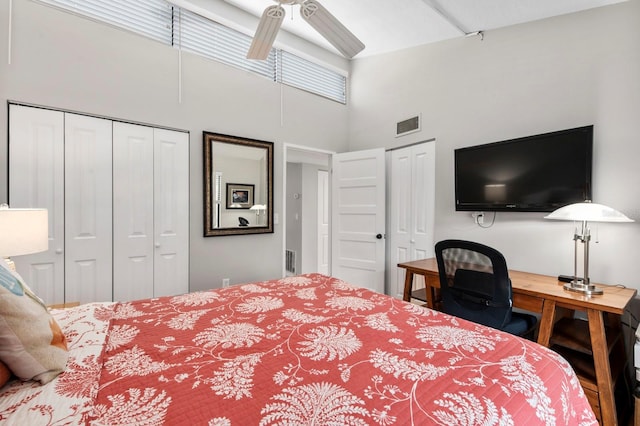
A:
[225,282]
[478,217]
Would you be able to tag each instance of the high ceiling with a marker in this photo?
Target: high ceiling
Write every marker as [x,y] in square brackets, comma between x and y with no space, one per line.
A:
[388,25]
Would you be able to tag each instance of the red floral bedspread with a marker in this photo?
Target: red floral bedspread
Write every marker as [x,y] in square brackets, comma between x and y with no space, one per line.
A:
[315,350]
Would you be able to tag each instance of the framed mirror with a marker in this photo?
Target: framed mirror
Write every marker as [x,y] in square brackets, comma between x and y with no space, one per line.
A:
[238,185]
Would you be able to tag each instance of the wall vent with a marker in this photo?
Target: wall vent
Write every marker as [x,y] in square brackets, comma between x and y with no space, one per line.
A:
[290,261]
[410,125]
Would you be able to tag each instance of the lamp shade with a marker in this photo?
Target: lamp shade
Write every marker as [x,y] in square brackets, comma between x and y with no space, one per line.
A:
[588,212]
[23,231]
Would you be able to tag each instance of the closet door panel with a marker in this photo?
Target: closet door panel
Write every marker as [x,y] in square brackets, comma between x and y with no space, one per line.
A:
[88,209]
[171,212]
[36,180]
[400,245]
[412,188]
[422,201]
[132,211]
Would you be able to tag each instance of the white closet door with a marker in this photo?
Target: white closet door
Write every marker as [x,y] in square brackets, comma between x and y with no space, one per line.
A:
[36,180]
[423,200]
[88,209]
[171,212]
[412,187]
[400,217]
[132,212]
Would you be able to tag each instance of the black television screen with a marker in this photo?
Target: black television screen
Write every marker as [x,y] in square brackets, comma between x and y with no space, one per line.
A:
[532,174]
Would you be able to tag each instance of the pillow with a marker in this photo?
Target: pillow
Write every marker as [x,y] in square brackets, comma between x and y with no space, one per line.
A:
[5,374]
[32,344]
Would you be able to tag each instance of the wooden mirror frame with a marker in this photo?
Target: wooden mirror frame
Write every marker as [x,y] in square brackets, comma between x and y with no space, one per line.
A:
[208,139]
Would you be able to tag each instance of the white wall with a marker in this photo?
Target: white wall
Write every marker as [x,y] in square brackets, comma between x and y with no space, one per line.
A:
[309,261]
[294,212]
[68,62]
[548,75]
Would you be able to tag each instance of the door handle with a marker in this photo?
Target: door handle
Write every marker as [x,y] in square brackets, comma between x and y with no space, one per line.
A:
[379,236]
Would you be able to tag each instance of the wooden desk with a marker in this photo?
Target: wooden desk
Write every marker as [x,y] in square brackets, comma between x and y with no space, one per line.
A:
[545,295]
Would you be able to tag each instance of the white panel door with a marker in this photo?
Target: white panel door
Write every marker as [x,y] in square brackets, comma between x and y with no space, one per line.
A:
[36,180]
[412,192]
[400,216]
[423,200]
[358,218]
[133,241]
[88,209]
[171,212]
[323,222]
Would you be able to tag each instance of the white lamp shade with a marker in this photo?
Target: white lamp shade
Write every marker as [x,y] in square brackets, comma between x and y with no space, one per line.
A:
[23,231]
[589,212]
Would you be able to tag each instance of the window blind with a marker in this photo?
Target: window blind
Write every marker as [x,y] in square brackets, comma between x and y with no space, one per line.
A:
[303,74]
[200,35]
[151,18]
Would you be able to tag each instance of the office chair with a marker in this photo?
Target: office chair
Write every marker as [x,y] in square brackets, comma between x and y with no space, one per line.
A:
[475,285]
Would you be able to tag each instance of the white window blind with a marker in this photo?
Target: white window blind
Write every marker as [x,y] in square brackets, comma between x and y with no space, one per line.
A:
[151,18]
[306,75]
[213,40]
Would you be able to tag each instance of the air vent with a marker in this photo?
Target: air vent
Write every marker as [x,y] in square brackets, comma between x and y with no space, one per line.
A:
[410,125]
[290,261]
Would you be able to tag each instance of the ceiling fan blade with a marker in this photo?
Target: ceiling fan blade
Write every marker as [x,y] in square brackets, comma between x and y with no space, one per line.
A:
[330,28]
[265,35]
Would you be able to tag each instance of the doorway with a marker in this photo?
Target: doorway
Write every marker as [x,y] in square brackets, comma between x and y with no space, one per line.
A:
[335,222]
[306,196]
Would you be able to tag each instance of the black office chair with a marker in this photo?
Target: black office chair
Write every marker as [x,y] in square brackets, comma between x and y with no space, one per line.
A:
[475,285]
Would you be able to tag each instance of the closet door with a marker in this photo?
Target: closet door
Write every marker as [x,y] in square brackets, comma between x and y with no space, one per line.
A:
[412,191]
[133,235]
[171,212]
[36,180]
[151,212]
[88,209]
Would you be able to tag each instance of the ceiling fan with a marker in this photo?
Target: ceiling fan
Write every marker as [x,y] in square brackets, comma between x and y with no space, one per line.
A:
[312,12]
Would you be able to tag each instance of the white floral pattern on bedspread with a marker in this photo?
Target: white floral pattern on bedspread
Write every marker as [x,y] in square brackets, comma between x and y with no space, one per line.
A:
[314,350]
[68,398]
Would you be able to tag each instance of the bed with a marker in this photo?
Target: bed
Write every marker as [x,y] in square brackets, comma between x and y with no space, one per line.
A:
[309,349]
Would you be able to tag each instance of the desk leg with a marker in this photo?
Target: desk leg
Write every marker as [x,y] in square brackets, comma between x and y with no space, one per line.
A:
[408,285]
[429,292]
[546,322]
[602,367]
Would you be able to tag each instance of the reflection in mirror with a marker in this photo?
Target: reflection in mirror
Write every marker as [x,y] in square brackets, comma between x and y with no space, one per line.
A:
[238,185]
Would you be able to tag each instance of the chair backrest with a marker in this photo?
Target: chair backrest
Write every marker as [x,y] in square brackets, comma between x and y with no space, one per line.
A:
[474,282]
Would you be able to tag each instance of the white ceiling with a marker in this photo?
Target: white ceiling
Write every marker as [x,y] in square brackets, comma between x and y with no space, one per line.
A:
[388,25]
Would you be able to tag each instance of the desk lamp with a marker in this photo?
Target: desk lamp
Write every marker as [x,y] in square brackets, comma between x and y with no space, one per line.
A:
[22,231]
[585,212]
[258,208]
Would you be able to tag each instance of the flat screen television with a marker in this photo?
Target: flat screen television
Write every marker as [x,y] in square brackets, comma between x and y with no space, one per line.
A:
[532,174]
